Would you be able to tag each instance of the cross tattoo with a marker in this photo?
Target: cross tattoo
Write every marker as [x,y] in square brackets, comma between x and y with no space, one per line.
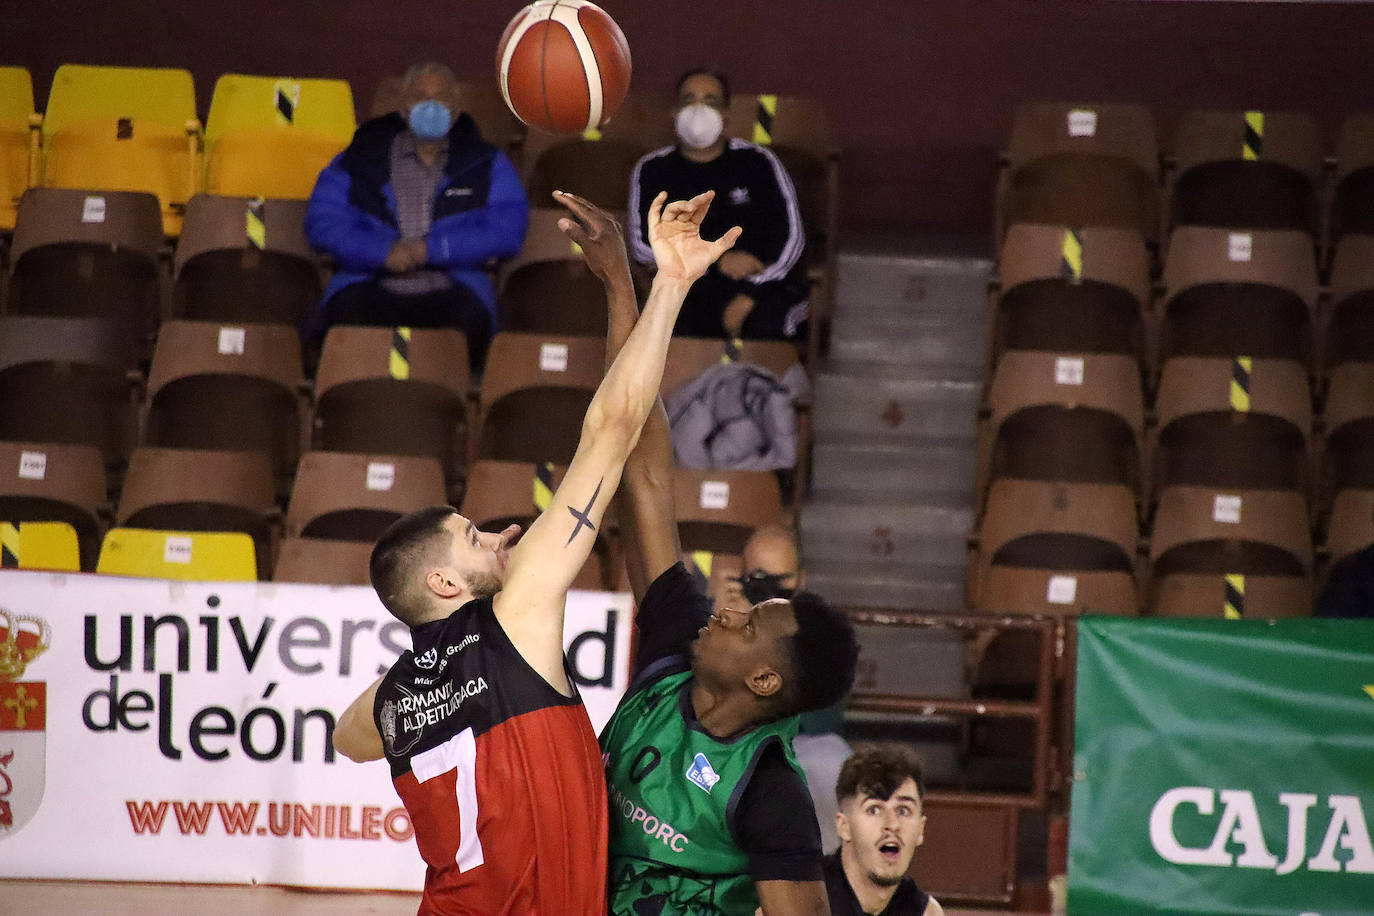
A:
[583,517]
[21,707]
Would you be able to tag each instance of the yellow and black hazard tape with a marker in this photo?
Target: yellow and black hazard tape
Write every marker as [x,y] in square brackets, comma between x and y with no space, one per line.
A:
[1071,256]
[543,485]
[1241,368]
[255,227]
[1234,609]
[1253,145]
[764,116]
[9,546]
[703,560]
[399,362]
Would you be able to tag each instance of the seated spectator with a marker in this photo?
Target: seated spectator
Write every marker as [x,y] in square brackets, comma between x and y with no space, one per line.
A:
[758,289]
[412,211]
[1349,590]
[880,824]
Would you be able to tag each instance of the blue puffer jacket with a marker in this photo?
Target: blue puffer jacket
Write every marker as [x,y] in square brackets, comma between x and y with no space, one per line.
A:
[480,212]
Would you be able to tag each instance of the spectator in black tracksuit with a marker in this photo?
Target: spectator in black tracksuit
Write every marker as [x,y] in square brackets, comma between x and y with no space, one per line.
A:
[757,290]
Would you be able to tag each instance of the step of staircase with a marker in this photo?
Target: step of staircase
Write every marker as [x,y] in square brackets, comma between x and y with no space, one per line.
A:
[925,471]
[857,405]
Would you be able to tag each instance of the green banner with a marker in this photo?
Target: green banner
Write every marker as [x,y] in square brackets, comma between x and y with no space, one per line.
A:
[1223,767]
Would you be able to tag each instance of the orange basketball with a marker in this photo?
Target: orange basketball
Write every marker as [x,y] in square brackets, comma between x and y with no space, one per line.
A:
[564,65]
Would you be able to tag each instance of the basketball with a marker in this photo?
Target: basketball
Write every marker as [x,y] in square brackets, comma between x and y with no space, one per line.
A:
[563,65]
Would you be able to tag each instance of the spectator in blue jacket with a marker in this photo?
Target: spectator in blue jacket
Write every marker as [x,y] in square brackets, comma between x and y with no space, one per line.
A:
[411,211]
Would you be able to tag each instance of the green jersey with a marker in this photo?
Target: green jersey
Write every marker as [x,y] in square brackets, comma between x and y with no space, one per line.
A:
[674,790]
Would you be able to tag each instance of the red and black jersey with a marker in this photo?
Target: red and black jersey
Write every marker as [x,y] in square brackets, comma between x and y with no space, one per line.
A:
[501,774]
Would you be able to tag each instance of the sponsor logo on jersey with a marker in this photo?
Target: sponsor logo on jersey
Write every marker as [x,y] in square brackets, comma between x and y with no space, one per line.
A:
[427,660]
[702,774]
[467,641]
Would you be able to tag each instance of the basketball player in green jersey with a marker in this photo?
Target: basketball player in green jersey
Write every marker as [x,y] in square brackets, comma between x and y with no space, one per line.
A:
[710,813]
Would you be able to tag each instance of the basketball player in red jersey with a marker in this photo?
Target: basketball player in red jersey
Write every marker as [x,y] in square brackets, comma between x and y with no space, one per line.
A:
[490,748]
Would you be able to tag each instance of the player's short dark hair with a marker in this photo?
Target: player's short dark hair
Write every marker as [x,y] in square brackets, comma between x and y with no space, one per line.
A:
[395,555]
[706,71]
[877,771]
[822,654]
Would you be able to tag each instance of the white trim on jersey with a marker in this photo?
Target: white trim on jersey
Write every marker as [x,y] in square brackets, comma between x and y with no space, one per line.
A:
[633,221]
[796,238]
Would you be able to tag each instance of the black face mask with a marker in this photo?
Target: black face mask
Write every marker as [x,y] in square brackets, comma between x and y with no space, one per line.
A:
[758,585]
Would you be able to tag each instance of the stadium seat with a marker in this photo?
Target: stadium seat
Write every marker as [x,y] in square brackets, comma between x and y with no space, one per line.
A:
[547,287]
[1352,200]
[241,259]
[500,493]
[1256,542]
[88,254]
[182,489]
[234,387]
[1349,334]
[269,136]
[598,164]
[322,562]
[1351,526]
[479,98]
[1247,170]
[535,392]
[688,357]
[17,140]
[1238,422]
[68,380]
[1021,590]
[1348,446]
[350,496]
[124,129]
[1066,532]
[52,482]
[396,391]
[1230,292]
[194,556]
[1077,290]
[718,510]
[1058,416]
[47,546]
[1081,165]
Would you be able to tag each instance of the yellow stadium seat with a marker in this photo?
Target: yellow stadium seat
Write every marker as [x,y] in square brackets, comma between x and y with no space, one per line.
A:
[269,136]
[124,129]
[39,545]
[188,556]
[16,116]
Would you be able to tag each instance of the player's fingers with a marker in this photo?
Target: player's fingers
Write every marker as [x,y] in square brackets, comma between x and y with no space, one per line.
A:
[510,533]
[656,209]
[700,204]
[726,241]
[573,230]
[585,209]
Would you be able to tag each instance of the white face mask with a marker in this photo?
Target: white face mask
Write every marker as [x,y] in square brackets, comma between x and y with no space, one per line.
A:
[699,126]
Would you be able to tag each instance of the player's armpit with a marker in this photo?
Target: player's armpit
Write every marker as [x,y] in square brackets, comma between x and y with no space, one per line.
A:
[355,733]
[792,898]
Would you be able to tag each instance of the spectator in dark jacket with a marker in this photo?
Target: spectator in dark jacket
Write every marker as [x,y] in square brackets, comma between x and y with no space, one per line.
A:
[412,210]
[759,288]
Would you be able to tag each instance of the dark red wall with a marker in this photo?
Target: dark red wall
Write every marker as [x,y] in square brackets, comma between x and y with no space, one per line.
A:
[922,90]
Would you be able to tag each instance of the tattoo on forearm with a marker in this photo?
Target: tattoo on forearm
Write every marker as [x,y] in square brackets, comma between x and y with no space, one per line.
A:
[584,517]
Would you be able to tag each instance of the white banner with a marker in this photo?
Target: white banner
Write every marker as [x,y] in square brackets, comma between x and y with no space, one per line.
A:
[184,729]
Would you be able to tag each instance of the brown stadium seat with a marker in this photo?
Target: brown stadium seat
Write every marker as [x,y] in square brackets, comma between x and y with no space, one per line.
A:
[1348,452]
[240,259]
[547,287]
[322,562]
[598,164]
[175,489]
[1081,165]
[91,254]
[500,493]
[479,98]
[1351,526]
[1254,546]
[68,380]
[1231,292]
[354,497]
[1067,529]
[1352,201]
[52,482]
[396,391]
[1238,422]
[1063,416]
[1349,335]
[718,510]
[1075,289]
[1247,169]
[535,393]
[223,386]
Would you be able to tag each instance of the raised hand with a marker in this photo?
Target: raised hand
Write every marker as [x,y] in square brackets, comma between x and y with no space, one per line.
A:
[675,236]
[599,236]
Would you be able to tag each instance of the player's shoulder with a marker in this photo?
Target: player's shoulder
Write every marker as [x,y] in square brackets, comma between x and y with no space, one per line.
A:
[933,907]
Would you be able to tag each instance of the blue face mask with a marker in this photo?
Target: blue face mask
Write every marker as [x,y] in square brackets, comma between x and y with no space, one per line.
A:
[430,120]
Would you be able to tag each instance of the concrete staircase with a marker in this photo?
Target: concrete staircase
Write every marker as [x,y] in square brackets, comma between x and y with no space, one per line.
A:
[895,425]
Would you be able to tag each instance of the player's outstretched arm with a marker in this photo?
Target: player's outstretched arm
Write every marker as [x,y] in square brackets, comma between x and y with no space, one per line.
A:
[546,560]
[355,734]
[792,898]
